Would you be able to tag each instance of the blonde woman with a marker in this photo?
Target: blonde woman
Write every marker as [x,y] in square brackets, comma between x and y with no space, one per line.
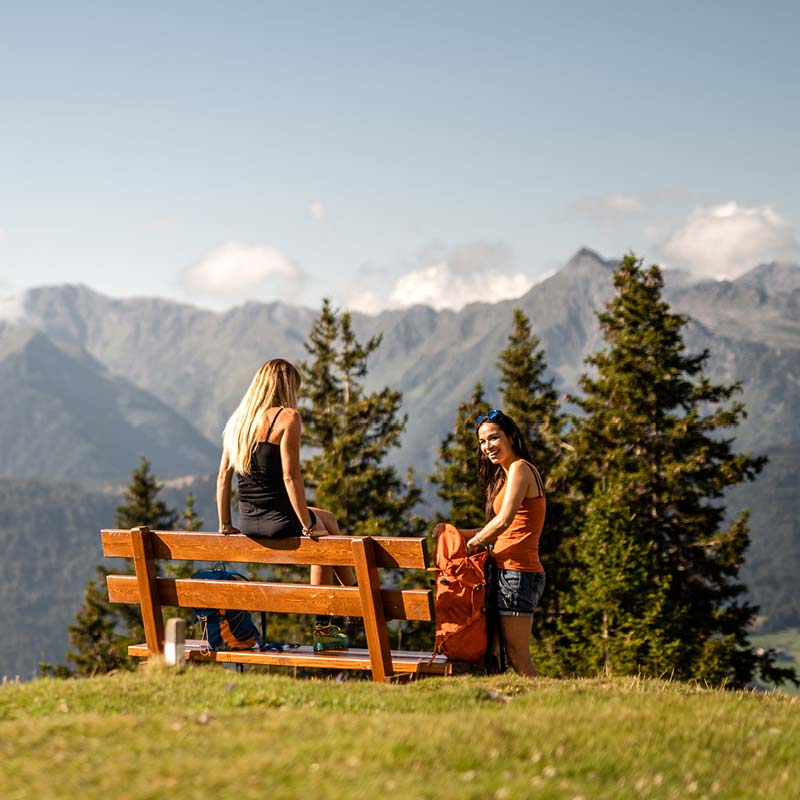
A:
[261,445]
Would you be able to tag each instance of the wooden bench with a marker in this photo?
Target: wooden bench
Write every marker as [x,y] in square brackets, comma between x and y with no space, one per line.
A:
[368,599]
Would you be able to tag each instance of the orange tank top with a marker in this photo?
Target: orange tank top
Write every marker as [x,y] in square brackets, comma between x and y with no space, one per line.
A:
[518,546]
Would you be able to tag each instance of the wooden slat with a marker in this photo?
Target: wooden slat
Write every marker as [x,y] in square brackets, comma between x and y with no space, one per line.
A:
[407,662]
[413,604]
[403,552]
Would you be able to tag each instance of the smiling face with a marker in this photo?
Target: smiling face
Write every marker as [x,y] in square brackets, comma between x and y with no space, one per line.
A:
[495,444]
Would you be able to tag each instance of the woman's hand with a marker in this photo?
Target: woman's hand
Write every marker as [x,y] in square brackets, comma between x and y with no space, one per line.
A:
[228,528]
[316,530]
[475,545]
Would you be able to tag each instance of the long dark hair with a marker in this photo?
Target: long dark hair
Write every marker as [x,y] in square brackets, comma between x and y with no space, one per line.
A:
[492,476]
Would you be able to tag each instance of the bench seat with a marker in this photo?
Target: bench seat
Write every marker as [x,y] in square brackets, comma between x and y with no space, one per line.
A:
[405,662]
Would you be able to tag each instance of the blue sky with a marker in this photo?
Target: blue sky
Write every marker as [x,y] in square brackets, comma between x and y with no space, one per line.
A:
[384,154]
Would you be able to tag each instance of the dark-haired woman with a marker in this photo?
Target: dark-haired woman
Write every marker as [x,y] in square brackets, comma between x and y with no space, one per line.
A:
[515,510]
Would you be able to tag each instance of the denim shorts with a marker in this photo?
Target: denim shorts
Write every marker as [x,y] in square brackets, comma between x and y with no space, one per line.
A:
[518,592]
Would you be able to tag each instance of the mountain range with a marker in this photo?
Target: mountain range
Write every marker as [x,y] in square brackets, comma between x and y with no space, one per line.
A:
[89,383]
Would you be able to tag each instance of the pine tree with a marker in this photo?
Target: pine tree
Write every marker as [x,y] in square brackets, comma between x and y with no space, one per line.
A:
[652,418]
[614,616]
[352,433]
[531,400]
[142,506]
[97,645]
[102,631]
[528,397]
[190,521]
[456,470]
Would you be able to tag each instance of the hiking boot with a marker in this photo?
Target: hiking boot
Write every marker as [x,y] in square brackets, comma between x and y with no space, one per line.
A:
[329,637]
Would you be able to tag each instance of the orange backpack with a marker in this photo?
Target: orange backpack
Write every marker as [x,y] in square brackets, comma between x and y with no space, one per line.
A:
[460,598]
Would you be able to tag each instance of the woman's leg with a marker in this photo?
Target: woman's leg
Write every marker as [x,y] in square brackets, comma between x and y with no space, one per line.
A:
[327,636]
[517,639]
[323,576]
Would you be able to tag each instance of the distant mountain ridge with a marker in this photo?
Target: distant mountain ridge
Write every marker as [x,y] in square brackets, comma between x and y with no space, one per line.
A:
[63,415]
[198,362]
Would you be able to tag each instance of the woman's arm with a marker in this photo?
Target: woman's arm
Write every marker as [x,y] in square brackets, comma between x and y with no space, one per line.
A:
[519,480]
[224,477]
[290,462]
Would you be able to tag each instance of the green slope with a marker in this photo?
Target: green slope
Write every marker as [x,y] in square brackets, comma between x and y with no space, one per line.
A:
[214,733]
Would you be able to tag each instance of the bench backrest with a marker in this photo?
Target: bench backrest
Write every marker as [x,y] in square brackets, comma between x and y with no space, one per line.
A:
[366,554]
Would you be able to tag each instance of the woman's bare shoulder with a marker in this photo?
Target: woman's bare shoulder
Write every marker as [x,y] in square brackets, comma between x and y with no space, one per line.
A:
[287,418]
[525,471]
[522,467]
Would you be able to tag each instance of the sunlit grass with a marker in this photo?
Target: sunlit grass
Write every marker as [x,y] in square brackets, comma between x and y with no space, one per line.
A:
[213,732]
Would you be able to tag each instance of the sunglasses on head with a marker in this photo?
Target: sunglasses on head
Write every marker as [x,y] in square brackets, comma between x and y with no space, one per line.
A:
[492,416]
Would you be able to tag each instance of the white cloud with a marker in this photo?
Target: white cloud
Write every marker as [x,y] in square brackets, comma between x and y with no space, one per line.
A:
[727,240]
[317,210]
[623,202]
[366,301]
[442,278]
[610,208]
[441,287]
[11,306]
[242,271]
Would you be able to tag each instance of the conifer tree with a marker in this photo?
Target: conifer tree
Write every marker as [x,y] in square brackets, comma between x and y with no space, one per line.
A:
[96,644]
[531,400]
[456,470]
[142,506]
[352,432]
[190,521]
[653,419]
[102,631]
[615,614]
[529,397]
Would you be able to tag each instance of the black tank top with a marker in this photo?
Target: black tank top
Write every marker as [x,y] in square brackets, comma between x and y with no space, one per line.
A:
[262,494]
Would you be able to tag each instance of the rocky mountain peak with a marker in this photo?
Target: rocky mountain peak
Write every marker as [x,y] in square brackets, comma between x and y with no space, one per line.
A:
[587,260]
[776,277]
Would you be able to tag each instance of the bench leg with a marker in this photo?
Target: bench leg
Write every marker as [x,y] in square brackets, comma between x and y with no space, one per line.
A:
[145,566]
[369,588]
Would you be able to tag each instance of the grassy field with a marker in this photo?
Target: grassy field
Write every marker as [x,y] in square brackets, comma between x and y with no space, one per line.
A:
[215,733]
[787,641]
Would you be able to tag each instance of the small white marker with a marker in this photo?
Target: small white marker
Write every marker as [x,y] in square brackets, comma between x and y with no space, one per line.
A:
[174,643]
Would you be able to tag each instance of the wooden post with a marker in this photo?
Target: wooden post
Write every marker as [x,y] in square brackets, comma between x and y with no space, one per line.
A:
[369,588]
[145,566]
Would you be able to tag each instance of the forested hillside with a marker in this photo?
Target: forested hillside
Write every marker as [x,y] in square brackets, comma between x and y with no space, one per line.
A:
[50,544]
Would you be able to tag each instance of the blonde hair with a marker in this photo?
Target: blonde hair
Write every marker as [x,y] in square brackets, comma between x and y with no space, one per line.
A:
[275,384]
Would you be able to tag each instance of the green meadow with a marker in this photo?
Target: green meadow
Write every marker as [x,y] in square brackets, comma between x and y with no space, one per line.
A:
[787,642]
[211,732]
